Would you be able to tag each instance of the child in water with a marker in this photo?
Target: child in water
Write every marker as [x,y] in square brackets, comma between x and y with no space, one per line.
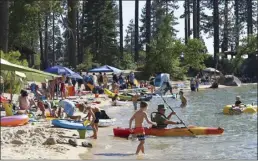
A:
[139,116]
[114,99]
[134,100]
[182,98]
[238,104]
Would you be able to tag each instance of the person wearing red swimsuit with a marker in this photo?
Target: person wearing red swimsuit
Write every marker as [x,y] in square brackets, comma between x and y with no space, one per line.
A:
[138,118]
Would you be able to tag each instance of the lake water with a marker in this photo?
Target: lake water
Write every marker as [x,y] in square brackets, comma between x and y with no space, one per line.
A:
[239,140]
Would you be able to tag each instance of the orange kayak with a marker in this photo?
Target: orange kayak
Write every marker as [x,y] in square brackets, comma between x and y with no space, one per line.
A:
[125,132]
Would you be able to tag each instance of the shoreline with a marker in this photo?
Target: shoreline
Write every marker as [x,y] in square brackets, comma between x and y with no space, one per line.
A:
[27,141]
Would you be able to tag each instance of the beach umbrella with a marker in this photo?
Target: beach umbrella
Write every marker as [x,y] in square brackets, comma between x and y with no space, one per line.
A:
[60,70]
[211,70]
[106,68]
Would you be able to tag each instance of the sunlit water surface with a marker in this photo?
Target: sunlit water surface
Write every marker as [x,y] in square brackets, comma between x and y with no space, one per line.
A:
[239,140]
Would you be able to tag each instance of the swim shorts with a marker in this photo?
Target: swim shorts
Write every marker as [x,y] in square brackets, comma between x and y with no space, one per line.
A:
[41,106]
[140,133]
[97,115]
[62,87]
[135,105]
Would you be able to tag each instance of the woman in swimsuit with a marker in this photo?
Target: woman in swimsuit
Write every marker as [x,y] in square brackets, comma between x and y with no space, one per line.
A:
[63,87]
[93,112]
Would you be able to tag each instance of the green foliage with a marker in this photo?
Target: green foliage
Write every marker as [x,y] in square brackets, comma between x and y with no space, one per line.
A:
[165,52]
[14,57]
[249,45]
[127,62]
[194,54]
[100,30]
[9,81]
[36,61]
[87,62]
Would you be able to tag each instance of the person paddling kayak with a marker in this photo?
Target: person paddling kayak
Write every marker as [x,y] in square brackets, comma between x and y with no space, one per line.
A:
[160,118]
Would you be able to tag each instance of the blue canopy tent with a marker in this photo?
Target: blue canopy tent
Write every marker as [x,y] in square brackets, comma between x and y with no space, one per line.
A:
[106,68]
[60,70]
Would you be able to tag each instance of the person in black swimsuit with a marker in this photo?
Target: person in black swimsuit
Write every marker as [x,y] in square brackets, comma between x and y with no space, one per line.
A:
[93,112]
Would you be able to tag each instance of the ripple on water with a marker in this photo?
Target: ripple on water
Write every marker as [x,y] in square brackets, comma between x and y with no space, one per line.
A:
[239,140]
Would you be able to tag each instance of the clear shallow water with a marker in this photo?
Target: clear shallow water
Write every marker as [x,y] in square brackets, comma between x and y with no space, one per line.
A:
[239,140]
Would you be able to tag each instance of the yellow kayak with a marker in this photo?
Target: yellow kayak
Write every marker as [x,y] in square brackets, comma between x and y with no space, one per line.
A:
[227,110]
[121,97]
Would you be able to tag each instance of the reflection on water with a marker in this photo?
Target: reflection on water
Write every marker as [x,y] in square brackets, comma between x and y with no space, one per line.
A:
[239,140]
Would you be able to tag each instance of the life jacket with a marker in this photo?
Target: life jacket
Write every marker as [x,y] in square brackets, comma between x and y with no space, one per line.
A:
[162,126]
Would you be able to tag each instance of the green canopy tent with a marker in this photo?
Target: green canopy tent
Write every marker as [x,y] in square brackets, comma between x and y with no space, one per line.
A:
[31,74]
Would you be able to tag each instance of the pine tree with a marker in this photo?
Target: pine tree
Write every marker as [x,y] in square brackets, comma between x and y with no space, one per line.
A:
[136,28]
[4,19]
[100,22]
[129,38]
[121,40]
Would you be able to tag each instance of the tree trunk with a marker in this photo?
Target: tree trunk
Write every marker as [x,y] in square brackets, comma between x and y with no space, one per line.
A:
[4,27]
[194,19]
[81,37]
[121,29]
[257,23]
[97,40]
[236,24]
[225,32]
[72,32]
[42,58]
[53,40]
[216,29]
[78,38]
[249,18]
[32,55]
[148,26]
[198,19]
[46,42]
[186,23]
[136,30]
[188,19]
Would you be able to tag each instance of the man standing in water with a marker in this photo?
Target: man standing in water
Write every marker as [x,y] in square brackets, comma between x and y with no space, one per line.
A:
[139,116]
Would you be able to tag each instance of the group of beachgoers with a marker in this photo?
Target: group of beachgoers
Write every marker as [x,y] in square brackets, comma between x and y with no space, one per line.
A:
[194,83]
[65,109]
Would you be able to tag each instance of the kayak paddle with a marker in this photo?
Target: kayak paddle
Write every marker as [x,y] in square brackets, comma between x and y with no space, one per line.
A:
[177,116]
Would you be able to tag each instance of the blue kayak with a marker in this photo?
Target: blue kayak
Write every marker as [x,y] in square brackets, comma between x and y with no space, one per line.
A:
[70,124]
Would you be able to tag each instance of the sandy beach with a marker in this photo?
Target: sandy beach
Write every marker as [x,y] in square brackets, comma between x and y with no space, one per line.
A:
[31,141]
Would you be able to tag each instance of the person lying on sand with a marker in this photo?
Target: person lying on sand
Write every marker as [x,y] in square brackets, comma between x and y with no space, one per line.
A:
[67,109]
[139,117]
